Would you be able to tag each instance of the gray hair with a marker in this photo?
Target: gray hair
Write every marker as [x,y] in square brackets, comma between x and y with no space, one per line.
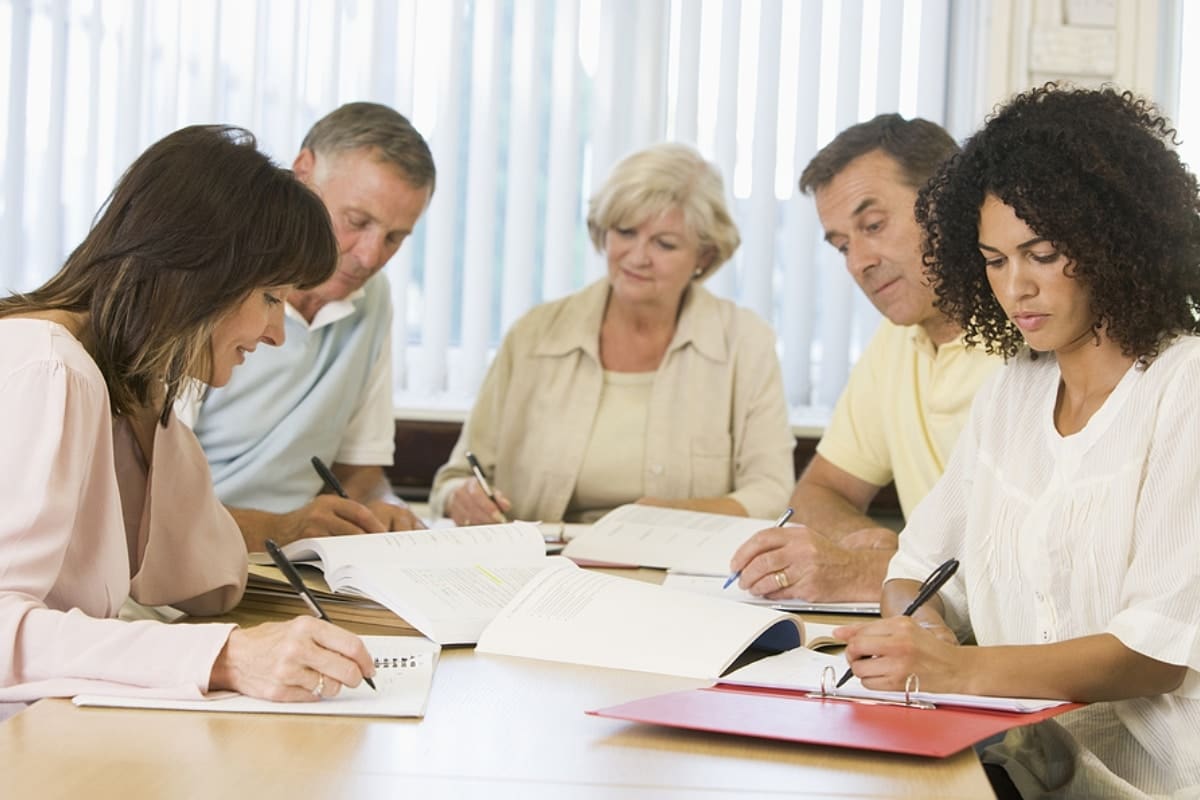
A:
[659,178]
[355,126]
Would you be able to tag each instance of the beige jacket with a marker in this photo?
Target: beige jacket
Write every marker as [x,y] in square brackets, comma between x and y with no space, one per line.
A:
[717,423]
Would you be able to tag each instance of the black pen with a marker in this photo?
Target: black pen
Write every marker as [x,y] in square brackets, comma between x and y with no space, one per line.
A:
[294,579]
[483,484]
[928,589]
[330,479]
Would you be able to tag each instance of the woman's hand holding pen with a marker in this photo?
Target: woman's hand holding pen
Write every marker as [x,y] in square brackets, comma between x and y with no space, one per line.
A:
[470,505]
[301,660]
[884,653]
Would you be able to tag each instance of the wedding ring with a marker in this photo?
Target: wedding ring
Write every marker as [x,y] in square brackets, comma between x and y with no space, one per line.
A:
[320,687]
[781,579]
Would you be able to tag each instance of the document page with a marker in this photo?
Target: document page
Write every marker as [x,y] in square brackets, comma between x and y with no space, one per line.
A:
[713,586]
[515,541]
[802,670]
[567,614]
[665,538]
[403,676]
[448,583]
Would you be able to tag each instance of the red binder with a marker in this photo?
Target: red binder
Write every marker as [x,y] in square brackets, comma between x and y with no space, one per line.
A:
[796,716]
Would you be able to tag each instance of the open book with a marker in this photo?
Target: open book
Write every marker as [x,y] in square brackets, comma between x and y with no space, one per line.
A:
[403,674]
[802,670]
[580,617]
[447,583]
[694,545]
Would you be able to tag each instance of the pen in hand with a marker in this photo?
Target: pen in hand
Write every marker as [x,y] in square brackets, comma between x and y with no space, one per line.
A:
[297,583]
[779,523]
[483,484]
[331,481]
[928,589]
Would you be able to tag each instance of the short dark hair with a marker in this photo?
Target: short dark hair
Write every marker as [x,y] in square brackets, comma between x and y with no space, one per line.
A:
[196,223]
[1094,172]
[377,127]
[917,145]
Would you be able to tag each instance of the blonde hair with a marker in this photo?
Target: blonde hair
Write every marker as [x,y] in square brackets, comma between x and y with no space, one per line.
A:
[659,178]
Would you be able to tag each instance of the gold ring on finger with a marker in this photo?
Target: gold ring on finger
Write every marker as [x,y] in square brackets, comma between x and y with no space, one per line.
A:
[320,687]
[781,579]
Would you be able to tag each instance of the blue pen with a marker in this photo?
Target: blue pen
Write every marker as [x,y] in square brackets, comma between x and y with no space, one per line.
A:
[779,523]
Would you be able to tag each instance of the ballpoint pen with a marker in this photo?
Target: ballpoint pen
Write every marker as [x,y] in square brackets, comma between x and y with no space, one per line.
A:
[483,484]
[779,523]
[297,583]
[331,481]
[928,589]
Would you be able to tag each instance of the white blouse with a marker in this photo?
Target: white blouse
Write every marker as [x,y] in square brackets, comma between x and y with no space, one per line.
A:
[1067,536]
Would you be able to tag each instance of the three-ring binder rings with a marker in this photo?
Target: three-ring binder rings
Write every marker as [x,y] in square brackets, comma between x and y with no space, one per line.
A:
[910,722]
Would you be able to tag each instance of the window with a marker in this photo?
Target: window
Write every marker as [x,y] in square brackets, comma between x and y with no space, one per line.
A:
[527,105]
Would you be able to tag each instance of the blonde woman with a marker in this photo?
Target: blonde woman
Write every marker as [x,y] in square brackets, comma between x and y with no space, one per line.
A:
[643,386]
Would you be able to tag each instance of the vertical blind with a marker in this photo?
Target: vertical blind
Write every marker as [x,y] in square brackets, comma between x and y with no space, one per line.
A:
[527,105]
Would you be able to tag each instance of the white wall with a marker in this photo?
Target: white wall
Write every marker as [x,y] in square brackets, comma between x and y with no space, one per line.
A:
[1089,42]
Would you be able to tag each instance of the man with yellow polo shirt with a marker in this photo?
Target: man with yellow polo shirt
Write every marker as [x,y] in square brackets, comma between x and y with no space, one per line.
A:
[908,396]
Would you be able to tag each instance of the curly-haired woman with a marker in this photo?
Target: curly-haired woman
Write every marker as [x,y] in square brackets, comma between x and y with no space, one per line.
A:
[1066,237]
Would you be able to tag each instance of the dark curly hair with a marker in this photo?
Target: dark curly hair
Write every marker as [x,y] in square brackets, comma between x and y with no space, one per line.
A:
[1095,173]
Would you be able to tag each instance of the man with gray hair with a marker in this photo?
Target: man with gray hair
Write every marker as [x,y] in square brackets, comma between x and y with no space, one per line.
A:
[909,394]
[327,391]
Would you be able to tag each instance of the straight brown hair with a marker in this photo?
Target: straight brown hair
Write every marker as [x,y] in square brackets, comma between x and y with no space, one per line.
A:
[196,223]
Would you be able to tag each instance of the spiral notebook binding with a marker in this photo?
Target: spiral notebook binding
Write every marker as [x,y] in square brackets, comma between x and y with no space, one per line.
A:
[912,686]
[399,662]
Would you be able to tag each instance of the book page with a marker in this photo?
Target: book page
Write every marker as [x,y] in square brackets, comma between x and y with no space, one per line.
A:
[450,605]
[512,543]
[713,586]
[568,614]
[665,538]
[802,669]
[403,676]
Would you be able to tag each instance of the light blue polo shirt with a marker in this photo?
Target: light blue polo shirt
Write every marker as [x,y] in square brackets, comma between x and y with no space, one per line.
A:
[286,404]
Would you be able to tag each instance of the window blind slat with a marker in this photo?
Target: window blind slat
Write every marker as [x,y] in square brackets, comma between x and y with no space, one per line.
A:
[724,282]
[430,379]
[800,250]
[478,258]
[763,219]
[563,162]
[688,100]
[52,216]
[520,205]
[14,150]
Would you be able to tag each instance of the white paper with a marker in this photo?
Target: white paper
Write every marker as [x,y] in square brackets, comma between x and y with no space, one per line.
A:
[712,585]
[801,670]
[568,614]
[402,688]
[665,538]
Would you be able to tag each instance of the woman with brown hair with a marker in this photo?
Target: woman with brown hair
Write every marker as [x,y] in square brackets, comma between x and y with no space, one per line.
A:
[106,494]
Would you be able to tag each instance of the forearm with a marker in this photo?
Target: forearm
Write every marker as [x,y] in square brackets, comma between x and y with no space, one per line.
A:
[258,526]
[827,511]
[712,505]
[364,483]
[1090,669]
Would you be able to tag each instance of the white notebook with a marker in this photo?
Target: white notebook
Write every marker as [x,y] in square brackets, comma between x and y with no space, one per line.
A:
[802,669]
[403,675]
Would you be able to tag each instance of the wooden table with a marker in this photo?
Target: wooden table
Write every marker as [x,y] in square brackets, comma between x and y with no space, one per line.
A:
[496,727]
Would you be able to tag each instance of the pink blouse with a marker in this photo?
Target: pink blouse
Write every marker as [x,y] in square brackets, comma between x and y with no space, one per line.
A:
[84,525]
